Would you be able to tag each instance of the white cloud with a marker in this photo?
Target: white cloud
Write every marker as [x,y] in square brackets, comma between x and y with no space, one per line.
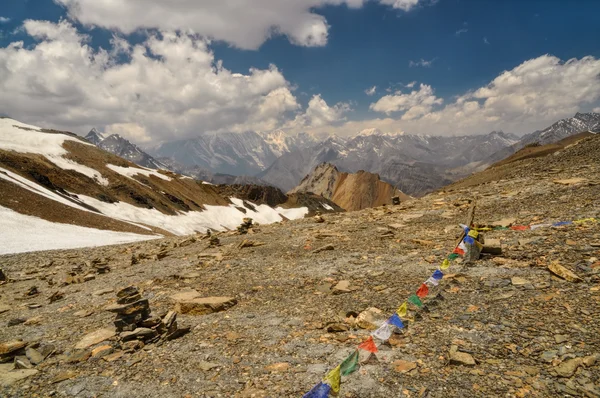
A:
[319,114]
[597,110]
[423,63]
[415,103]
[371,91]
[404,5]
[531,96]
[461,31]
[485,40]
[243,23]
[169,87]
[4,19]
[411,85]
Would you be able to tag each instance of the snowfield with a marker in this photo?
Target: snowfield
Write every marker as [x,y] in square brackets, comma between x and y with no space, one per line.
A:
[24,138]
[21,233]
[129,172]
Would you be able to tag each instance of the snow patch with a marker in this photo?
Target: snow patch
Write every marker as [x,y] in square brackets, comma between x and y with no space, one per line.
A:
[218,218]
[24,138]
[326,206]
[21,233]
[129,172]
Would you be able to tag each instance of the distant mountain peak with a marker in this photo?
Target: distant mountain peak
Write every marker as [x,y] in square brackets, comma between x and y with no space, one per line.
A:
[94,136]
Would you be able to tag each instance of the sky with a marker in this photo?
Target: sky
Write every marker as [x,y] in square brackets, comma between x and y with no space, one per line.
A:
[158,70]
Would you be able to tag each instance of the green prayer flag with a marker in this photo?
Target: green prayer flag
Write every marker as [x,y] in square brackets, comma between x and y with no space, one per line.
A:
[350,364]
[413,299]
[453,256]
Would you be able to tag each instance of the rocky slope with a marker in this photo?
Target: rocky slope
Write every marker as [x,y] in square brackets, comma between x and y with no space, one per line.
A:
[123,148]
[58,190]
[349,191]
[503,326]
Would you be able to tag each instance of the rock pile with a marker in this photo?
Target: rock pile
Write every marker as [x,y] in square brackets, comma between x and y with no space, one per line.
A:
[134,319]
[245,226]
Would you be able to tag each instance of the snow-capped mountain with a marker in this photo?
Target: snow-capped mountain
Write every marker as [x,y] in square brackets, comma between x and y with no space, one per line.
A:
[564,128]
[414,163]
[245,153]
[124,148]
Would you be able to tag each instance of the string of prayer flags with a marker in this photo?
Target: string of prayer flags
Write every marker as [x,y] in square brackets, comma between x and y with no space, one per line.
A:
[384,332]
[413,299]
[402,310]
[446,263]
[321,390]
[423,291]
[350,364]
[396,321]
[533,227]
[368,345]
[438,275]
[334,379]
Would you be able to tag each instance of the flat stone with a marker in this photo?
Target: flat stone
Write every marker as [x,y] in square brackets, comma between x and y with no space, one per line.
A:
[9,375]
[205,305]
[396,226]
[402,366]
[94,338]
[548,356]
[34,356]
[206,366]
[130,308]
[461,358]
[563,272]
[11,347]
[102,351]
[114,356]
[62,376]
[22,362]
[570,181]
[143,333]
[518,281]
[560,338]
[83,313]
[186,295]
[568,367]
[324,248]
[342,287]
[103,292]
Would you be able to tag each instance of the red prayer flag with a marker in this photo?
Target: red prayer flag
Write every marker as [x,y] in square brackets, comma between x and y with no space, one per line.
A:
[459,251]
[423,291]
[519,227]
[369,345]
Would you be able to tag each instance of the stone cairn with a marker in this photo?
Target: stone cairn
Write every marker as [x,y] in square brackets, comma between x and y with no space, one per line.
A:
[245,226]
[134,320]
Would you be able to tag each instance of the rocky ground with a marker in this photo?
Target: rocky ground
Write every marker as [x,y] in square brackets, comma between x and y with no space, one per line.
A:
[283,320]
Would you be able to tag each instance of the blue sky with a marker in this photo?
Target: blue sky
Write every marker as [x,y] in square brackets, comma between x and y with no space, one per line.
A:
[449,48]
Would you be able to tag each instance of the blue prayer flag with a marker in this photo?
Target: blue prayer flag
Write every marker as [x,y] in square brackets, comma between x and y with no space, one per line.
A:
[396,321]
[469,240]
[437,275]
[321,390]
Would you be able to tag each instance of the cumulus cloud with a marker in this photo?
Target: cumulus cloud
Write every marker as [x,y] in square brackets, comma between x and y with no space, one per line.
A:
[242,23]
[4,19]
[422,63]
[170,86]
[371,91]
[318,114]
[533,95]
[415,104]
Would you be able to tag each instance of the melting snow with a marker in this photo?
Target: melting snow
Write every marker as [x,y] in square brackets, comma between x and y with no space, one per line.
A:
[24,138]
[129,172]
[21,233]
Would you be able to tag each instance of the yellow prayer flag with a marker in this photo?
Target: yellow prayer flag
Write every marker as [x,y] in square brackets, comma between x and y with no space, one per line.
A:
[445,264]
[473,234]
[402,310]
[334,378]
